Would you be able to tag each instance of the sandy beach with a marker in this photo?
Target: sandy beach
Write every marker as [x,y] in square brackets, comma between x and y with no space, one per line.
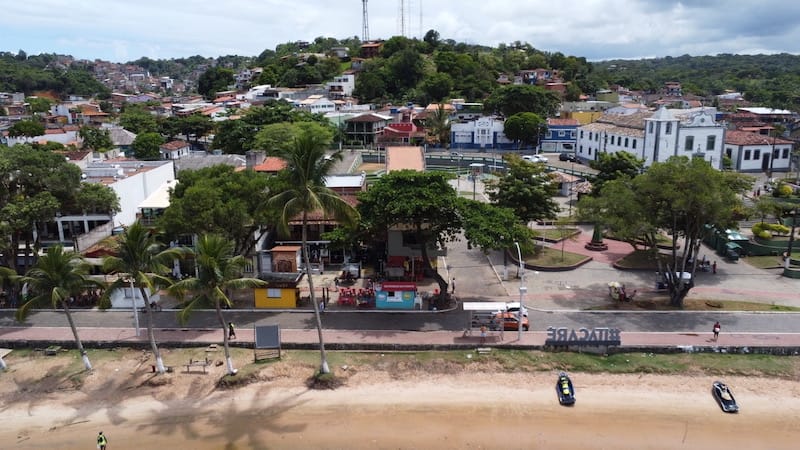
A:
[479,408]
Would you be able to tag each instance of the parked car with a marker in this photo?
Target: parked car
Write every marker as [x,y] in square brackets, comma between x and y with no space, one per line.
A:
[511,322]
[535,158]
[564,389]
[722,393]
[567,157]
[456,155]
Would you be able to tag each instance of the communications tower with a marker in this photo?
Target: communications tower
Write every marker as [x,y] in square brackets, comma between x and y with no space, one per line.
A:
[364,22]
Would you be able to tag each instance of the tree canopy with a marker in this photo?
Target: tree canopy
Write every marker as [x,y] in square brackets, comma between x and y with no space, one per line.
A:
[525,127]
[526,189]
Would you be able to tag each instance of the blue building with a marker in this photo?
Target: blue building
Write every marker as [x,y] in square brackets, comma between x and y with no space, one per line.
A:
[561,136]
[481,133]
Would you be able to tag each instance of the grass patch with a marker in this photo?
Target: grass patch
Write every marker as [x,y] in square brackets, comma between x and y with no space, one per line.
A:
[553,257]
[764,262]
[554,234]
[661,303]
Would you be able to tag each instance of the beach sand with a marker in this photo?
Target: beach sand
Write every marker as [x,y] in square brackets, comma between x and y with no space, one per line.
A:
[380,409]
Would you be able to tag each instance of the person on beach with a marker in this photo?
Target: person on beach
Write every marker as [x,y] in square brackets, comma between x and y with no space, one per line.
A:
[102,441]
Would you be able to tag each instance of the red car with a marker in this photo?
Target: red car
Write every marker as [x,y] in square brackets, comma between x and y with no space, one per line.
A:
[511,321]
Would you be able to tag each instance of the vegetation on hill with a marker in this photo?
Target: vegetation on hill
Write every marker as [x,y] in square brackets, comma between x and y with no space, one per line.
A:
[47,72]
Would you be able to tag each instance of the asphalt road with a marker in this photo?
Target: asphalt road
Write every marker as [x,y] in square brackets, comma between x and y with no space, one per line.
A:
[424,321]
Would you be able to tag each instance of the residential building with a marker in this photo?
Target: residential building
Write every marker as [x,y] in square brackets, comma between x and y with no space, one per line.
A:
[316,104]
[754,152]
[341,86]
[561,136]
[365,128]
[175,149]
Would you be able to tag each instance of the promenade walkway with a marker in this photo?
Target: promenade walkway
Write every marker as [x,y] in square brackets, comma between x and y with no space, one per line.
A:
[387,340]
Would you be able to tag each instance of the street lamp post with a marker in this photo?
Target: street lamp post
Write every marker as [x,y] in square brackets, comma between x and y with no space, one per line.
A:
[522,290]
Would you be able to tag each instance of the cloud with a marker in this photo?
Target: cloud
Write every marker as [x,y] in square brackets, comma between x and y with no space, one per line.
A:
[119,29]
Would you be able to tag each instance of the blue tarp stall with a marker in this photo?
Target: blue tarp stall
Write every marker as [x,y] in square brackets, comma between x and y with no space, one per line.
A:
[397,295]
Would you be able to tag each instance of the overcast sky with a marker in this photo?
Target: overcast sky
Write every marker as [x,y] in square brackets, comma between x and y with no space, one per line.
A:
[124,30]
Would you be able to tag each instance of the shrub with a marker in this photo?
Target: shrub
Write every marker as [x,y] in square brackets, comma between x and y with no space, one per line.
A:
[784,190]
[779,229]
[764,234]
[758,228]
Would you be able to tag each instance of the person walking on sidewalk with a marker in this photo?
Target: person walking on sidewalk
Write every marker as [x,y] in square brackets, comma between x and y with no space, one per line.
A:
[453,286]
[231,331]
[716,329]
[102,441]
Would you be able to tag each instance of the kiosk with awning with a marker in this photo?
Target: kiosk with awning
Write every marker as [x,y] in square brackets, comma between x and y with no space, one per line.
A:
[397,295]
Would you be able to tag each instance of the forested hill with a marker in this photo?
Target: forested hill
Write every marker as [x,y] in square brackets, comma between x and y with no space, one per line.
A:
[47,72]
[770,80]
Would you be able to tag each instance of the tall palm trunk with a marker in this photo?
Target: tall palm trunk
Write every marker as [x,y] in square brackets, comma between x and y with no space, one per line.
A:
[151,333]
[228,360]
[323,367]
[86,363]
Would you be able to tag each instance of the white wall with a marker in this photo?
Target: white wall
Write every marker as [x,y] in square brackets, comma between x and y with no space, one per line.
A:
[133,190]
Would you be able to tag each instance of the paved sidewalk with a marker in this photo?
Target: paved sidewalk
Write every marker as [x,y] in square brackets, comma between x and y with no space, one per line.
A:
[388,340]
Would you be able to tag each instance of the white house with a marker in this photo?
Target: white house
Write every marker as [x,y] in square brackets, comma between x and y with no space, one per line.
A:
[484,132]
[132,180]
[341,86]
[753,152]
[175,150]
[655,136]
[316,104]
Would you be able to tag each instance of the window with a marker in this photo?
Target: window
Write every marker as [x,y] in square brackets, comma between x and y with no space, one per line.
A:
[689,143]
[711,141]
[634,143]
[669,128]
[273,293]
[756,154]
[582,134]
[747,155]
[785,153]
[590,151]
[590,135]
[650,128]
[572,134]
[562,133]
[626,142]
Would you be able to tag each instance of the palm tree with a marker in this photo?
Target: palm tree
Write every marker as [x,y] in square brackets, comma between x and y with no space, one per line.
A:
[57,276]
[307,167]
[218,270]
[145,262]
[438,125]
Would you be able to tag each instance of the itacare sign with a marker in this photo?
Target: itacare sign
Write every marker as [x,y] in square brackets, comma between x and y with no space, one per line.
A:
[582,336]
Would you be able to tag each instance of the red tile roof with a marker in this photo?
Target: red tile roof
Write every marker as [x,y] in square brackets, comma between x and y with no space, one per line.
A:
[174,145]
[734,137]
[563,122]
[271,164]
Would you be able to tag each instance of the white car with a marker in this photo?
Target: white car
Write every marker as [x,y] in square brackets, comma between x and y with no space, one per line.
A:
[535,158]
[513,307]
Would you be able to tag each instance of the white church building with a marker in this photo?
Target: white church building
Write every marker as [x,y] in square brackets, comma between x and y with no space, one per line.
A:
[654,136]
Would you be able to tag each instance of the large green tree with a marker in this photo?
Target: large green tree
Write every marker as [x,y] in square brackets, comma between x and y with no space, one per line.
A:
[97,139]
[141,261]
[304,193]
[213,80]
[147,146]
[221,200]
[525,128]
[613,166]
[57,277]
[679,197]
[525,188]
[218,271]
[422,201]
[26,128]
[516,98]
[34,186]
[137,119]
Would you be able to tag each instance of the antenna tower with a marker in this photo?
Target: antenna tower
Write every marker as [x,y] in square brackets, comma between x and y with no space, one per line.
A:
[365,22]
[402,18]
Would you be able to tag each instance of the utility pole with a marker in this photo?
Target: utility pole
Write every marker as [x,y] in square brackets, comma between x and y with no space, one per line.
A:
[364,22]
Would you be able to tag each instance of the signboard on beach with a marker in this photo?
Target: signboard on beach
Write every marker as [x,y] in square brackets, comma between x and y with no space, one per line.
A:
[563,336]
